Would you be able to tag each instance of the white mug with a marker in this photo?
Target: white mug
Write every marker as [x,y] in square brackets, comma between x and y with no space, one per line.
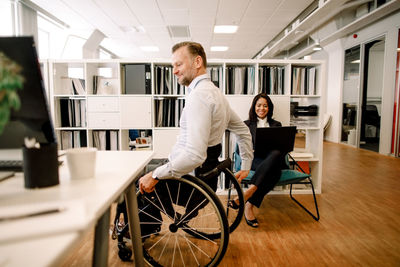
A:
[82,162]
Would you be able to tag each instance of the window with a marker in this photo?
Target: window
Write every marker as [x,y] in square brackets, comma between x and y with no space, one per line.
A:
[6,18]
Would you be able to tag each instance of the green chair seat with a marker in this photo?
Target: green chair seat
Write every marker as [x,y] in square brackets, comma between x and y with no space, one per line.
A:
[288,177]
[291,176]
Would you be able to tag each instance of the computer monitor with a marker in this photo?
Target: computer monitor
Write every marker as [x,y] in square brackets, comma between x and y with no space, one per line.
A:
[33,118]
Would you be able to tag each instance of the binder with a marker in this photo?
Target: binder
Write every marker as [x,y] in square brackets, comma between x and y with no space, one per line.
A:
[113,140]
[64,112]
[77,139]
[66,140]
[79,86]
[137,79]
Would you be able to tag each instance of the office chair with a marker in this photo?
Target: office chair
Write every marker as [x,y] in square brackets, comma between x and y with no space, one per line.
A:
[293,176]
[372,118]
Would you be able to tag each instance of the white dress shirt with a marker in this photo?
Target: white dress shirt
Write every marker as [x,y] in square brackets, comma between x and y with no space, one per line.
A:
[262,123]
[204,119]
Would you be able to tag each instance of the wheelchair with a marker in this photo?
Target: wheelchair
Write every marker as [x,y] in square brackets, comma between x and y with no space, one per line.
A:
[183,221]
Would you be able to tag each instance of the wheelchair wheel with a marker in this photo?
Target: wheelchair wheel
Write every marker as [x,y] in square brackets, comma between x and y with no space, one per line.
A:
[234,191]
[234,216]
[176,220]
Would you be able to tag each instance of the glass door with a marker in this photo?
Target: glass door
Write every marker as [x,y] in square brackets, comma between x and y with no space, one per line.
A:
[350,96]
[371,97]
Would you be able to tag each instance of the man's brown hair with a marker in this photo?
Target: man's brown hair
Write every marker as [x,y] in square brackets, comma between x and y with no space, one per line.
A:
[195,49]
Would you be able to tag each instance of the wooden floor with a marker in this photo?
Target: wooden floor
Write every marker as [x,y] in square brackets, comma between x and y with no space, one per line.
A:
[359,225]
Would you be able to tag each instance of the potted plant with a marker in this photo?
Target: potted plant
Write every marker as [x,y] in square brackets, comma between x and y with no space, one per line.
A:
[10,81]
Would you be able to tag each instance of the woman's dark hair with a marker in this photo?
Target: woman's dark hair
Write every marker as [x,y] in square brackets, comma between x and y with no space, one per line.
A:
[252,111]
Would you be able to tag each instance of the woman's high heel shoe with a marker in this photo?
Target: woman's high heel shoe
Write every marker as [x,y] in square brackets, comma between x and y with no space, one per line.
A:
[252,223]
[232,204]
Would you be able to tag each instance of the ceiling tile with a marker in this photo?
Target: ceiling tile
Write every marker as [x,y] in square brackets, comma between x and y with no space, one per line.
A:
[176,16]
[230,12]
[295,5]
[118,11]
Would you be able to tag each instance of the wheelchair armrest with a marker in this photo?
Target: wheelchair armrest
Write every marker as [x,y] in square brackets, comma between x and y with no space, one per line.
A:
[226,164]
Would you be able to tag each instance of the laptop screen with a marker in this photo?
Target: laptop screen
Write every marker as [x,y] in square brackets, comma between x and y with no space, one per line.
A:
[32,119]
[274,138]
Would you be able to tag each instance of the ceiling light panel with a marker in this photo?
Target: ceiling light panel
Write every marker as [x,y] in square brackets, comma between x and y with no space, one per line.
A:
[225,28]
[219,48]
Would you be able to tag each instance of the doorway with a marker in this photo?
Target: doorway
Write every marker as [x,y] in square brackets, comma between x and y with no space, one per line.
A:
[371,97]
[362,94]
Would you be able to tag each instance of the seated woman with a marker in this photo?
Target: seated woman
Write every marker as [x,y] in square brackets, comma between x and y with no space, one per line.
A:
[268,169]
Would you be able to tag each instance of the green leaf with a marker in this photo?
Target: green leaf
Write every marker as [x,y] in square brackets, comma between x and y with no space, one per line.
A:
[13,99]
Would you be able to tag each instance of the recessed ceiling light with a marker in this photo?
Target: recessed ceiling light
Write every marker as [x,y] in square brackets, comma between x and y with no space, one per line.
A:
[150,48]
[225,28]
[317,48]
[357,61]
[219,48]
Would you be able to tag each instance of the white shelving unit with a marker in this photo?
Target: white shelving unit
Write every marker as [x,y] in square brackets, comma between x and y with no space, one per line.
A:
[109,108]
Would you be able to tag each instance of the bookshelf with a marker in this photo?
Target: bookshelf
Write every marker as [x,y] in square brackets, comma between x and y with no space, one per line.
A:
[136,105]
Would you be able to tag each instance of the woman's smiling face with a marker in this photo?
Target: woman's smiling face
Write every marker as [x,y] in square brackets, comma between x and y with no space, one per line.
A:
[261,108]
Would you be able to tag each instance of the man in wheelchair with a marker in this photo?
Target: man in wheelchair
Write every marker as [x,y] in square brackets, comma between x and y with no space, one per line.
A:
[204,120]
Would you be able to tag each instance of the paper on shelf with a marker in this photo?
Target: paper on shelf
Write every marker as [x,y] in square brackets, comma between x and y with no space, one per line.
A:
[70,218]
[301,154]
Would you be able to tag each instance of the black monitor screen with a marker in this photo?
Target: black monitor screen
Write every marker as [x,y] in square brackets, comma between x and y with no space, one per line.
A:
[32,118]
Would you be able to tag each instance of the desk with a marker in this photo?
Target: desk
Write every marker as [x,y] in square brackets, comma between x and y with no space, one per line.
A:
[116,171]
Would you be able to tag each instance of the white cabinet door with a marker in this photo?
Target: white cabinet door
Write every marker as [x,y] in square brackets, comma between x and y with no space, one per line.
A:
[103,120]
[241,105]
[135,112]
[103,104]
[164,139]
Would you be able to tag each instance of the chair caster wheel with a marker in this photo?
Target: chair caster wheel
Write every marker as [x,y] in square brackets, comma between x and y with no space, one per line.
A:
[125,253]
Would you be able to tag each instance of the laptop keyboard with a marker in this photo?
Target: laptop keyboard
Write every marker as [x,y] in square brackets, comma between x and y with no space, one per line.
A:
[11,165]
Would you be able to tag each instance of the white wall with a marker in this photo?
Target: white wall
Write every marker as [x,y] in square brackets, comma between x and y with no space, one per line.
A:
[388,27]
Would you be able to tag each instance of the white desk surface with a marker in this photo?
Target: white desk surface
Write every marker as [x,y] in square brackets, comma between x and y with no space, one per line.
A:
[115,171]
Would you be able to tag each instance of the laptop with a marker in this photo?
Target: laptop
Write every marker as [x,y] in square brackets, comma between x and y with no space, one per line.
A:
[274,138]
[33,118]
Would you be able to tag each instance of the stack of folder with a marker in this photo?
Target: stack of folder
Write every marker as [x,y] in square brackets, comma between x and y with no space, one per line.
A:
[73,112]
[215,74]
[240,80]
[166,82]
[72,86]
[168,111]
[105,139]
[272,80]
[303,81]
[73,139]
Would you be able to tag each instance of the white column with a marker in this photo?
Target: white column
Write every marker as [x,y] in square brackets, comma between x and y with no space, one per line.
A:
[333,94]
[27,21]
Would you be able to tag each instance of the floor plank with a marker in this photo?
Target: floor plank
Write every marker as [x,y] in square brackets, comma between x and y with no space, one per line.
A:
[359,225]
